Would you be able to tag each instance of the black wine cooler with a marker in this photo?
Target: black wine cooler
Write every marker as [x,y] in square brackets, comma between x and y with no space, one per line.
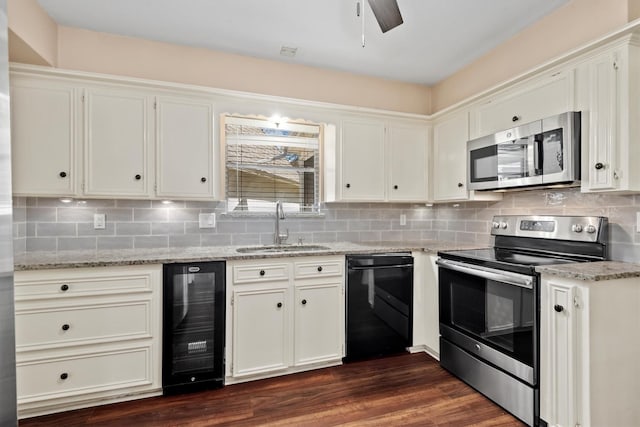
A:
[193,327]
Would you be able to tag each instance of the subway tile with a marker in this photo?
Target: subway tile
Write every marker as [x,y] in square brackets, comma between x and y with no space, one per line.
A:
[370,236]
[331,225]
[215,239]
[19,214]
[201,205]
[19,246]
[133,228]
[350,236]
[41,214]
[380,225]
[245,239]
[114,242]
[359,225]
[35,244]
[194,228]
[164,205]
[73,214]
[124,203]
[231,226]
[117,214]
[324,237]
[97,203]
[184,240]
[76,243]
[148,242]
[31,229]
[183,214]
[47,229]
[150,215]
[262,226]
[167,228]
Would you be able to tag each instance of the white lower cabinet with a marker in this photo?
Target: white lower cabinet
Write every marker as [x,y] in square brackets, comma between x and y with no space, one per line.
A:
[284,316]
[589,352]
[86,337]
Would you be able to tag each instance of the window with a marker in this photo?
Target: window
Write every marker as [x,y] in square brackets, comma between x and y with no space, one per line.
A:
[267,162]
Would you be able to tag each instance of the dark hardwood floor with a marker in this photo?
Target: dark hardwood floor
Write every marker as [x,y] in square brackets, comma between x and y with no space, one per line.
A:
[404,390]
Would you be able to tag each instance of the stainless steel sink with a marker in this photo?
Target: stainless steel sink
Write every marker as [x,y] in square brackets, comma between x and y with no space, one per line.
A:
[281,248]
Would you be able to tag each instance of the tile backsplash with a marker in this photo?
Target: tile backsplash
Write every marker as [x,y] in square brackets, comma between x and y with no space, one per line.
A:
[48,224]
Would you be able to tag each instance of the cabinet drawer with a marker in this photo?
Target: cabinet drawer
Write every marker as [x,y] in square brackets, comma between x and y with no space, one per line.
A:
[318,268]
[83,374]
[78,325]
[260,273]
[63,284]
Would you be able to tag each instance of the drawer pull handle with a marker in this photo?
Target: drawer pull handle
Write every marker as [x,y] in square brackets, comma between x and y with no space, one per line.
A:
[279,305]
[203,179]
[65,327]
[395,187]
[63,174]
[304,302]
[138,177]
[558,308]
[320,268]
[64,376]
[262,272]
[599,166]
[64,288]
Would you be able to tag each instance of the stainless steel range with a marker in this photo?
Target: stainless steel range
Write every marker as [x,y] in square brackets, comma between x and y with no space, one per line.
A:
[490,303]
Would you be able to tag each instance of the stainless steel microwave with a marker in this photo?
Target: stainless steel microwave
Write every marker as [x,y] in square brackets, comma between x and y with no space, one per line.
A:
[541,153]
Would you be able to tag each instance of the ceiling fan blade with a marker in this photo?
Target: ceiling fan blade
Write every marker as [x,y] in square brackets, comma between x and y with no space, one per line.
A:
[387,13]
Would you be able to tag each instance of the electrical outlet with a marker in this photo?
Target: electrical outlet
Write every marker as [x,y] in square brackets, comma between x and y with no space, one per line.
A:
[99,221]
[403,219]
[207,220]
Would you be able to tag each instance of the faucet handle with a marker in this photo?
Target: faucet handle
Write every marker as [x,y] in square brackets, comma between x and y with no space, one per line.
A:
[300,239]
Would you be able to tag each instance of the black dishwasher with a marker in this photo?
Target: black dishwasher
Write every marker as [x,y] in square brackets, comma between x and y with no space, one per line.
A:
[379,305]
[193,326]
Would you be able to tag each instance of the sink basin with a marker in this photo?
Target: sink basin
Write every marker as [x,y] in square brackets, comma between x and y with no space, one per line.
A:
[281,248]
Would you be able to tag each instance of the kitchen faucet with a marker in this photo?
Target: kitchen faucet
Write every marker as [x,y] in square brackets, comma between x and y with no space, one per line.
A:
[279,239]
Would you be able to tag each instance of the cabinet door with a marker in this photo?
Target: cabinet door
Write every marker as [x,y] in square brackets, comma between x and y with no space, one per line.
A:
[603,130]
[407,154]
[543,97]
[363,168]
[116,143]
[184,132]
[260,331]
[319,326]
[558,341]
[43,138]
[449,174]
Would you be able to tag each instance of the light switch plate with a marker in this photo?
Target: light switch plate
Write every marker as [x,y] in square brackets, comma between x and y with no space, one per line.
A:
[99,221]
[403,219]
[207,220]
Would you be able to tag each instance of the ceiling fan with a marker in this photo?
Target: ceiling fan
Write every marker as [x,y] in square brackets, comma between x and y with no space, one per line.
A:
[387,13]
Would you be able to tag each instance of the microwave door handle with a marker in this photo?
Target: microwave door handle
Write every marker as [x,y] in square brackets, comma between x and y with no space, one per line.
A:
[538,153]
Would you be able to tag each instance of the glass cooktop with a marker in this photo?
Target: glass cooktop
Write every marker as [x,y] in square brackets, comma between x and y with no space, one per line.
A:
[506,259]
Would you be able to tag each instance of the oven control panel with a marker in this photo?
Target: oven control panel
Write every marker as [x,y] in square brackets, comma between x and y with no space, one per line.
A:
[577,228]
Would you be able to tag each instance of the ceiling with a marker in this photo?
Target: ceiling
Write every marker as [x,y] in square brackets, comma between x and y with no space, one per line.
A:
[438,37]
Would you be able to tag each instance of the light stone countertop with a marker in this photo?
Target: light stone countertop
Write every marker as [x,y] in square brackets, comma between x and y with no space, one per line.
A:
[593,271]
[104,258]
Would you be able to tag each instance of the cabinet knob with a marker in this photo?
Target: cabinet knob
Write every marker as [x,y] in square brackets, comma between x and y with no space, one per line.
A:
[348,185]
[65,327]
[203,179]
[599,166]
[279,305]
[395,187]
[304,302]
[558,308]
[64,288]
[138,177]
[262,272]
[460,185]
[63,174]
[319,268]
[515,118]
[64,376]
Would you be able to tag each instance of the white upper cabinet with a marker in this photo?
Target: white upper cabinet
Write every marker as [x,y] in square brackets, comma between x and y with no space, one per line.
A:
[610,127]
[43,137]
[362,158]
[408,172]
[379,160]
[544,96]
[184,149]
[449,164]
[117,143]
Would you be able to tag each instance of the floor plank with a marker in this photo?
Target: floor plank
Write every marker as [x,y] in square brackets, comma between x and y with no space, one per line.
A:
[403,390]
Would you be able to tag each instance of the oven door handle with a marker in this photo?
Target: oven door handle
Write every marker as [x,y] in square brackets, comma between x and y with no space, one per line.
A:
[379,267]
[488,273]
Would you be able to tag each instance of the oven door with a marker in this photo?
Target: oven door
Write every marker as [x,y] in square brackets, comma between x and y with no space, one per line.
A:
[492,314]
